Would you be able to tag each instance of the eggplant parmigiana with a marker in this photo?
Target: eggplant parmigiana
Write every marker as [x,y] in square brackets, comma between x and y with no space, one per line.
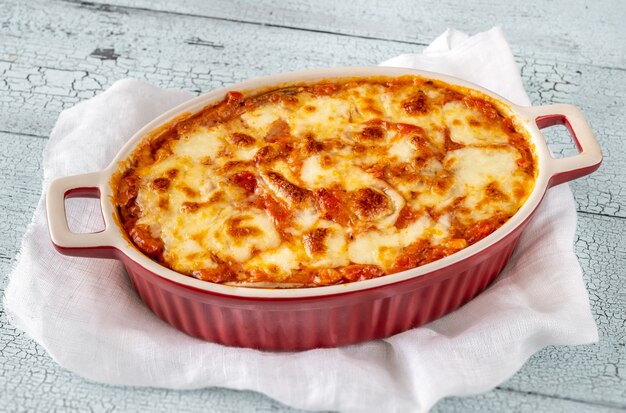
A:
[326,183]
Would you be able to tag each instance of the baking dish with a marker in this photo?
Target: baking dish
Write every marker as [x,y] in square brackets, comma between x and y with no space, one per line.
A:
[296,319]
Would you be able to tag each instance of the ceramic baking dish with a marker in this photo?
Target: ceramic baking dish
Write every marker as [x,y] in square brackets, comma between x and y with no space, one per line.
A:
[303,318]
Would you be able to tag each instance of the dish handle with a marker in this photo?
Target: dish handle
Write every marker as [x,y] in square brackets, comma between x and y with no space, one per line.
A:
[589,157]
[95,244]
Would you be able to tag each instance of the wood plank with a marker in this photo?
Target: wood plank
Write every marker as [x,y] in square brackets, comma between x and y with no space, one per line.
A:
[499,401]
[566,30]
[20,189]
[69,53]
[59,389]
[571,372]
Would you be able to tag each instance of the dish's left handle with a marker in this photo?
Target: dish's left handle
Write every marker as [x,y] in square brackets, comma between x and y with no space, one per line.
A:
[95,244]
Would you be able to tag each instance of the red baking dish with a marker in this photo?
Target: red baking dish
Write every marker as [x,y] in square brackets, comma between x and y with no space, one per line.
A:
[329,316]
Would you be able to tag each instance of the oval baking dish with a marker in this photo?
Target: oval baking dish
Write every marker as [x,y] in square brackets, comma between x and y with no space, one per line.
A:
[327,316]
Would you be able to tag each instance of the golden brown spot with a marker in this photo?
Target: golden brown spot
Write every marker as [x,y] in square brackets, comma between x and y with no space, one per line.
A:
[236,230]
[359,148]
[190,207]
[484,107]
[443,182]
[160,184]
[276,210]
[283,187]
[233,105]
[326,161]
[404,128]
[379,170]
[314,241]
[217,196]
[265,155]
[189,192]
[417,105]
[279,129]
[403,171]
[450,96]
[424,148]
[245,180]
[369,204]
[312,146]
[473,122]
[330,205]
[324,89]
[310,108]
[241,139]
[371,106]
[372,133]
[230,165]
[406,217]
[164,203]
[493,192]
[206,161]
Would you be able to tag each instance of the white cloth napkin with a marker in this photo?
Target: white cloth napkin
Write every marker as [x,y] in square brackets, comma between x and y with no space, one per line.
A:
[83,312]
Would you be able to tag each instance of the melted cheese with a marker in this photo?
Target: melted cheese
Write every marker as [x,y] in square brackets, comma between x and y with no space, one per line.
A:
[475,168]
[201,143]
[261,118]
[381,247]
[313,118]
[465,127]
[343,171]
[402,150]
[341,177]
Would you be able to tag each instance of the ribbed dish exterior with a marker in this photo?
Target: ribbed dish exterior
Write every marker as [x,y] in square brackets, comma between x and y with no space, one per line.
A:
[327,321]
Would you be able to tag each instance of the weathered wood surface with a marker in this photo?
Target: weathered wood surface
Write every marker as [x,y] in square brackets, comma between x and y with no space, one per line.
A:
[549,29]
[54,54]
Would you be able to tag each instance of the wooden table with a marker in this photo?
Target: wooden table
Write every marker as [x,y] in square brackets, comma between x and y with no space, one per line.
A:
[54,54]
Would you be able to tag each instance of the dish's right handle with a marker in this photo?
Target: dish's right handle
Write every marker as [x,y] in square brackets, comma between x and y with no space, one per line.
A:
[589,157]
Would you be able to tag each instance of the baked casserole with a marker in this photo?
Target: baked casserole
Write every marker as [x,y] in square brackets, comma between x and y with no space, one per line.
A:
[325,183]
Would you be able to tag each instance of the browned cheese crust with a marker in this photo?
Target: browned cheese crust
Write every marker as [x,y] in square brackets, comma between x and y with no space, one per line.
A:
[325,183]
